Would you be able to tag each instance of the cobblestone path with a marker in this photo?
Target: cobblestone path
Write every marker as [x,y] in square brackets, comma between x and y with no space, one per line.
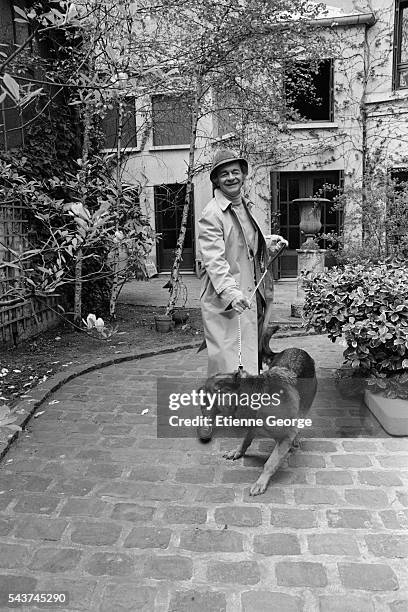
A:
[93,503]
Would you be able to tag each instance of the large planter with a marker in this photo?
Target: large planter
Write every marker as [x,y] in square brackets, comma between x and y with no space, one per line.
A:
[391,413]
[310,210]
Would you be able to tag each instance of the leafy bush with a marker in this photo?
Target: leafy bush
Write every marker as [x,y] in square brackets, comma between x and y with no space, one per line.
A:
[368,306]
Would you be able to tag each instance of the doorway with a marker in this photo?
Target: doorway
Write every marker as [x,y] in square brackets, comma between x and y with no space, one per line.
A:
[169,203]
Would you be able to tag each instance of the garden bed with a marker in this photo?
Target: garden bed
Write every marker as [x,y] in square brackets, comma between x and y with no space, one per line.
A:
[23,367]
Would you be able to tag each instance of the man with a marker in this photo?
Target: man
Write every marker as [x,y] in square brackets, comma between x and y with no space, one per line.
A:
[234,254]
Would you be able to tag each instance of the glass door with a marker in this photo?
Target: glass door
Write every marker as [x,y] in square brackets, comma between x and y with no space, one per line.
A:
[169,203]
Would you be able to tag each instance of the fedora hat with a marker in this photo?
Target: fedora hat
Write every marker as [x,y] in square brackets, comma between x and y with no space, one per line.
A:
[226,156]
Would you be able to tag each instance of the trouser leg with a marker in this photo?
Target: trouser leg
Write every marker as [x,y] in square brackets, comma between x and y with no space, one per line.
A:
[260,306]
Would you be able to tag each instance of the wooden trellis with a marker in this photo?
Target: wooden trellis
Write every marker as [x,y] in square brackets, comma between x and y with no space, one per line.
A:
[13,240]
[19,319]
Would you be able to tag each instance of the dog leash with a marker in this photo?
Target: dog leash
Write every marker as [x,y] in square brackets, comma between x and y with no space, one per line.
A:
[251,297]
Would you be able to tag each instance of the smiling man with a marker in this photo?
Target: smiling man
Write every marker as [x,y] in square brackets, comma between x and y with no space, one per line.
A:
[234,253]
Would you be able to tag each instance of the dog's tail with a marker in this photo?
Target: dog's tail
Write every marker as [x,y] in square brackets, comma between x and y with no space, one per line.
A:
[266,337]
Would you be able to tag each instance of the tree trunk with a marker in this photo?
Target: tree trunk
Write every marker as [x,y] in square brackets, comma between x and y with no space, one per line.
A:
[79,253]
[175,270]
[116,285]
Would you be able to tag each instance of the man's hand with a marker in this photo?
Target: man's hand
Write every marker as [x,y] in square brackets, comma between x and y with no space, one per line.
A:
[241,303]
[274,242]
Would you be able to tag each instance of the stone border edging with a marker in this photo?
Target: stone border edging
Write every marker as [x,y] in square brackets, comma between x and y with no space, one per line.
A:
[26,408]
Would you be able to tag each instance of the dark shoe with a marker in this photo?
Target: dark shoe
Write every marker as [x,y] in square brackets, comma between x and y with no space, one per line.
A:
[205,433]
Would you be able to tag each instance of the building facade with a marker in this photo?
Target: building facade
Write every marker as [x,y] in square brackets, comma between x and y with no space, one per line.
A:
[360,113]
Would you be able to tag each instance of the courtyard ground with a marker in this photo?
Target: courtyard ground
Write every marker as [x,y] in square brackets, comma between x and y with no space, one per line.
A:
[93,503]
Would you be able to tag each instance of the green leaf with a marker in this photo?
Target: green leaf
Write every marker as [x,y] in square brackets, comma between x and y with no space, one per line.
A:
[12,87]
[20,12]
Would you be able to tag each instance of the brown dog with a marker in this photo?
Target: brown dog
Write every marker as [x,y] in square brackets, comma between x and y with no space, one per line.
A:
[291,380]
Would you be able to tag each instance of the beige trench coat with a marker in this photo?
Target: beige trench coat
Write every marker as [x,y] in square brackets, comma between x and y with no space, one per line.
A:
[226,262]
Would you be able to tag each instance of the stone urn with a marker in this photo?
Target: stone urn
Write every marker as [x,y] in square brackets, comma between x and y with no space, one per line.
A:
[310,256]
[310,210]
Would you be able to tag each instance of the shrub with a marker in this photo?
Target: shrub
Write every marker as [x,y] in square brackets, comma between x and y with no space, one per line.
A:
[368,306]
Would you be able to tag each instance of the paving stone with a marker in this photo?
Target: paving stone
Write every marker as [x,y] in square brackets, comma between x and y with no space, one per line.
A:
[23,482]
[148,472]
[349,519]
[6,525]
[350,461]
[83,507]
[240,476]
[387,545]
[269,601]
[287,477]
[55,560]
[142,491]
[37,504]
[393,519]
[395,444]
[399,606]
[76,487]
[208,540]
[103,470]
[215,495]
[368,577]
[298,574]
[241,516]
[316,496]
[80,592]
[294,518]
[271,496]
[132,512]
[5,500]
[114,430]
[93,454]
[394,461]
[402,498]
[306,460]
[13,555]
[40,528]
[345,603]
[185,514]
[360,446]
[169,567]
[366,498]
[113,564]
[276,544]
[95,533]
[119,442]
[128,598]
[238,572]
[64,469]
[197,601]
[380,479]
[323,446]
[12,583]
[195,475]
[334,477]
[148,537]
[332,544]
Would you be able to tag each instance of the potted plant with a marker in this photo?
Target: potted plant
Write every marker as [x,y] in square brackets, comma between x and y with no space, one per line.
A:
[163,322]
[180,315]
[367,305]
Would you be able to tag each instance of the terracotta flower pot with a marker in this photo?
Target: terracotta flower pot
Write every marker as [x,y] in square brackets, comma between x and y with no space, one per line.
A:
[164,323]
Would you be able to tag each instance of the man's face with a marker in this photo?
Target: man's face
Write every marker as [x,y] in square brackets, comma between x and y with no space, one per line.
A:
[230,179]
